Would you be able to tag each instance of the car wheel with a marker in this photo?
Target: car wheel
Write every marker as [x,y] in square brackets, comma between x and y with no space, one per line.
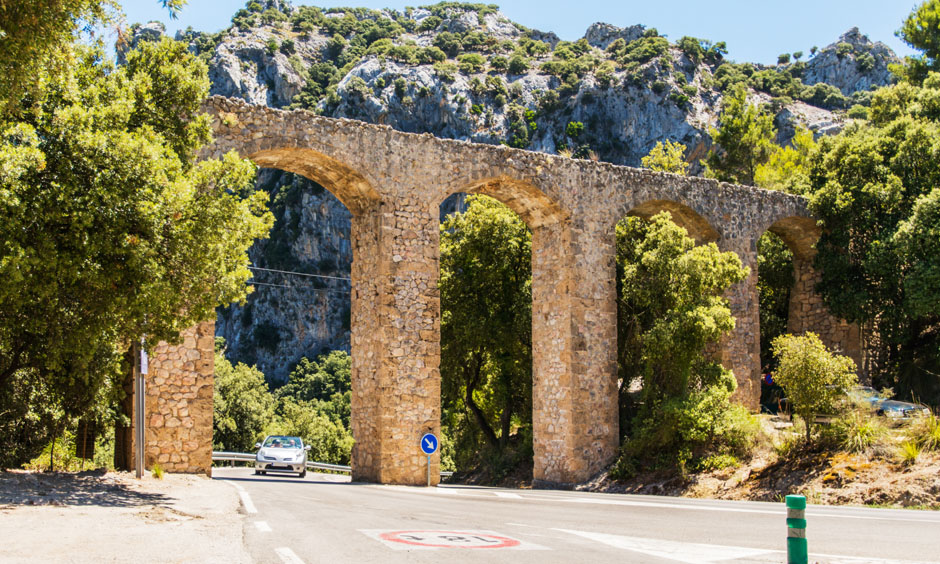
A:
[262,472]
[257,472]
[303,474]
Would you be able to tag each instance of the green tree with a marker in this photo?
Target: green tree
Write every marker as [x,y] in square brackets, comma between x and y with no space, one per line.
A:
[744,139]
[110,230]
[37,35]
[486,325]
[873,191]
[242,406]
[667,157]
[670,307]
[921,30]
[813,378]
[324,383]
[329,441]
[787,168]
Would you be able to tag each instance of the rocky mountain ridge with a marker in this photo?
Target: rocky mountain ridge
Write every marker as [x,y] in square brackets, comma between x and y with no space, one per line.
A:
[465,71]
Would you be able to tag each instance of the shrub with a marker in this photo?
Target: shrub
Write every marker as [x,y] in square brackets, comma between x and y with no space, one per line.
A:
[574,129]
[157,471]
[287,47]
[271,46]
[858,111]
[499,63]
[909,452]
[471,63]
[843,49]
[813,378]
[783,59]
[518,64]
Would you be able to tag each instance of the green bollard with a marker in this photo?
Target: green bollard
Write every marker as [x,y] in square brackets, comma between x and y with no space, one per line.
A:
[797,551]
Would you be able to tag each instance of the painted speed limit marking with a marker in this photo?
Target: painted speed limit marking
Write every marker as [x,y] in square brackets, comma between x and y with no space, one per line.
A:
[410,540]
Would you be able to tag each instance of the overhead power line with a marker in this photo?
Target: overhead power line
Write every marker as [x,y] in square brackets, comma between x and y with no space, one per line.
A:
[300,273]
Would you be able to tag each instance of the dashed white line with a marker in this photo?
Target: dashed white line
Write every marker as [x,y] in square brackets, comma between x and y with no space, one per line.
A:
[287,556]
[508,495]
[246,501]
[263,526]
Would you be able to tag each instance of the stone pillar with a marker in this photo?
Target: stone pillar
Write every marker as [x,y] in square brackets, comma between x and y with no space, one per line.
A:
[740,349]
[574,388]
[809,313]
[395,342]
[178,410]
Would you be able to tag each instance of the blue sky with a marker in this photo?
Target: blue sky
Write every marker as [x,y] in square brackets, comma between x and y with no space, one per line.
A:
[755,30]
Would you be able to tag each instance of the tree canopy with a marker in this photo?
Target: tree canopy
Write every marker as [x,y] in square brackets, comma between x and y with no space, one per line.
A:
[486,321]
[744,139]
[110,229]
[667,156]
[670,308]
[875,191]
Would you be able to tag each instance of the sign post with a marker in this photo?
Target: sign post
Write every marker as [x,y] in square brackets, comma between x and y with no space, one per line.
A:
[140,389]
[429,444]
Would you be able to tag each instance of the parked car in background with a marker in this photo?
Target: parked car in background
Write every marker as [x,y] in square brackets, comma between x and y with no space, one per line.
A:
[281,453]
[891,408]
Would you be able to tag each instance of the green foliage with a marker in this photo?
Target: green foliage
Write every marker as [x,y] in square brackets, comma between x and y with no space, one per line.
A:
[921,30]
[574,129]
[638,51]
[36,38]
[323,383]
[875,193]
[814,378]
[857,112]
[669,308]
[744,139]
[667,157]
[157,471]
[242,406]
[783,59]
[787,168]
[486,328]
[774,281]
[329,441]
[111,229]
[271,46]
[470,63]
[857,430]
[518,64]
[844,49]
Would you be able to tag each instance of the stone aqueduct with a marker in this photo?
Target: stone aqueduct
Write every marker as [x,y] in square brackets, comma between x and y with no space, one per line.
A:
[393,184]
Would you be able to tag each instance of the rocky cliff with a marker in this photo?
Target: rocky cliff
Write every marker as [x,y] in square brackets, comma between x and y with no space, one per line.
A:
[466,72]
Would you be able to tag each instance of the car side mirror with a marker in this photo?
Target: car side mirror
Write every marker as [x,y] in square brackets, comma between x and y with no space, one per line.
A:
[307,447]
[257,445]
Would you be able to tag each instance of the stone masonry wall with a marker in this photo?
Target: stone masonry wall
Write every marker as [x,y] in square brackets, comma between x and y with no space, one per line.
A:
[178,409]
[393,184]
[808,313]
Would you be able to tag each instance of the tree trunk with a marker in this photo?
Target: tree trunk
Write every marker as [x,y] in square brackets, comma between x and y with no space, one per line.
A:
[123,434]
[488,434]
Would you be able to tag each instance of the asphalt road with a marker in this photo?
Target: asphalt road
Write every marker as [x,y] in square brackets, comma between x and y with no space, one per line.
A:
[324,518]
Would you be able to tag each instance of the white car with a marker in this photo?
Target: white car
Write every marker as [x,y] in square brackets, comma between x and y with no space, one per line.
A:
[281,453]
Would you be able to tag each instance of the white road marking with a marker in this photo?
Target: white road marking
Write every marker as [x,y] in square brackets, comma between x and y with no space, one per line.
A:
[246,499]
[450,491]
[287,556]
[691,553]
[263,526]
[695,507]
[508,495]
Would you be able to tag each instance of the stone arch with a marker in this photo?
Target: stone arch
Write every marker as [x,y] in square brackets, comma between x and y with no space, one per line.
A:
[525,199]
[348,185]
[807,312]
[684,216]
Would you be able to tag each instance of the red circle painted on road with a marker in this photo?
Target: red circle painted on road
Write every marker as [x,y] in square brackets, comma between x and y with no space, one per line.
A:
[455,539]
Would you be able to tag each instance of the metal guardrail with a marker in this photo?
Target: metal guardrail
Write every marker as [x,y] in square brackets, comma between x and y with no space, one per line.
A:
[233,457]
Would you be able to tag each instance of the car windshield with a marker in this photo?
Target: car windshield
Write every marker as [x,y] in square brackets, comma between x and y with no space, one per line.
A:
[278,441]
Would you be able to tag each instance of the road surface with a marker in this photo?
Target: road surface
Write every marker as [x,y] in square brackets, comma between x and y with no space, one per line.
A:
[324,518]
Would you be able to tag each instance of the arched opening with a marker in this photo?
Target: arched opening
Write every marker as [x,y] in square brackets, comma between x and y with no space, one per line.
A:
[487,292]
[784,285]
[674,394]
[287,350]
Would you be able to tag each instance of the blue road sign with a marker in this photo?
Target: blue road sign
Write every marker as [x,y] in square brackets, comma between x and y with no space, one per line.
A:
[428,443]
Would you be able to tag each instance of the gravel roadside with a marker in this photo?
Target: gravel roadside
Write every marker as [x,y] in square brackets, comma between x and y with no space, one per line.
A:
[113,517]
